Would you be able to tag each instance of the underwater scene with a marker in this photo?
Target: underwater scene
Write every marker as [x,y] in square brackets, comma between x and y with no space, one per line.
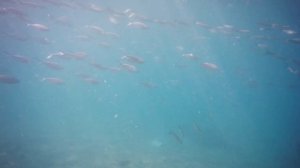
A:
[149,84]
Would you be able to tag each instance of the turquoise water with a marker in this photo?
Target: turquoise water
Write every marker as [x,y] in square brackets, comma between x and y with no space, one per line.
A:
[153,83]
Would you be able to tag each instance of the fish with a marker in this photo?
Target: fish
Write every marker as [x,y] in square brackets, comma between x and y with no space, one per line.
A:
[197,127]
[294,40]
[20,58]
[202,24]
[17,36]
[129,67]
[15,12]
[244,31]
[129,13]
[111,34]
[210,66]
[104,44]
[53,80]
[83,37]
[137,25]
[148,84]
[17,57]
[44,40]
[114,69]
[132,59]
[96,29]
[262,46]
[289,31]
[95,8]
[58,54]
[190,56]
[179,48]
[77,55]
[64,21]
[176,137]
[7,79]
[38,26]
[91,80]
[53,65]
[88,78]
[292,70]
[30,4]
[113,20]
[98,66]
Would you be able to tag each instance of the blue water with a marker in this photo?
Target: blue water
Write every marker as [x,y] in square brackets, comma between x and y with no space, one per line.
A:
[153,83]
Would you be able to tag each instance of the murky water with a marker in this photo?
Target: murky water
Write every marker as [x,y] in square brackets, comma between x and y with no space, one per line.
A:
[153,83]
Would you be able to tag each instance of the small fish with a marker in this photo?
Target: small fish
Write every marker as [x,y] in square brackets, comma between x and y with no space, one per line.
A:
[44,40]
[129,67]
[17,57]
[126,11]
[262,46]
[202,24]
[176,137]
[64,21]
[210,66]
[227,26]
[197,127]
[179,48]
[294,40]
[133,59]
[14,11]
[98,66]
[91,80]
[244,31]
[148,84]
[7,79]
[30,4]
[58,54]
[77,55]
[96,29]
[53,65]
[289,31]
[137,25]
[111,34]
[113,20]
[53,80]
[114,69]
[104,44]
[95,8]
[20,58]
[129,13]
[38,26]
[83,37]
[190,56]
[292,70]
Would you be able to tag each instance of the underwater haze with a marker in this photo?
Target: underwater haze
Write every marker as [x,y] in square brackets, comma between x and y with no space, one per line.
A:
[149,84]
